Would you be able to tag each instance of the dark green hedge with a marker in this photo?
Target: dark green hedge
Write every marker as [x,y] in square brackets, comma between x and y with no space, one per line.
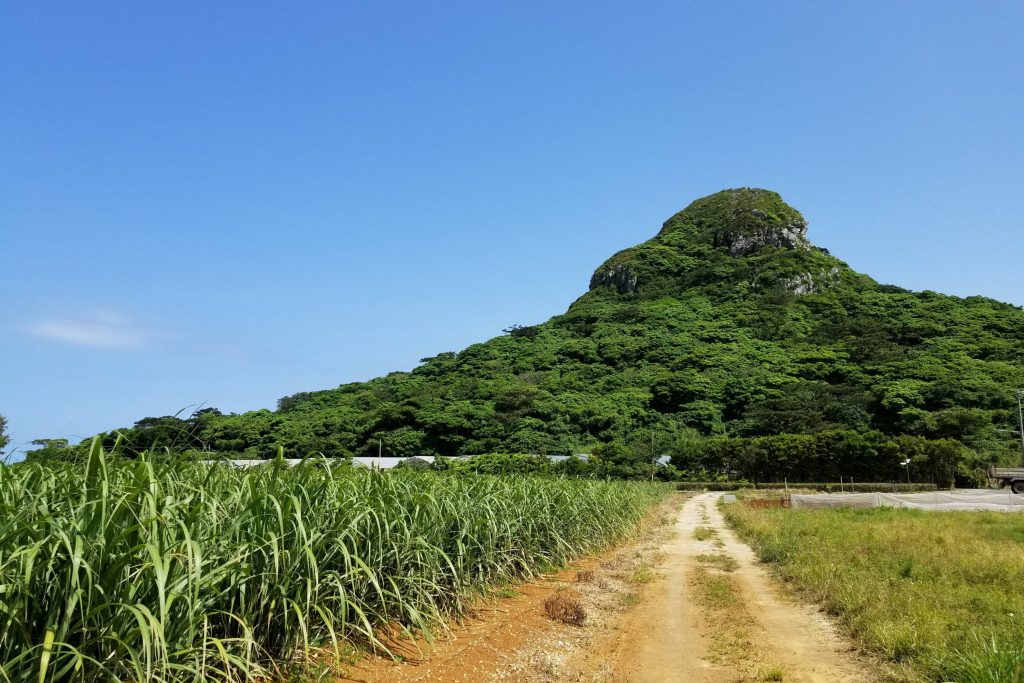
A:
[836,455]
[804,486]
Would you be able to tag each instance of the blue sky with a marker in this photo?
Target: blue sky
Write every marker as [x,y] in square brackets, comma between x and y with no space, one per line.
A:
[232,202]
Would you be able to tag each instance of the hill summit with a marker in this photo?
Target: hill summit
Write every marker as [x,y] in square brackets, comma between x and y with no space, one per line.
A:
[727,324]
[692,249]
[740,220]
[735,222]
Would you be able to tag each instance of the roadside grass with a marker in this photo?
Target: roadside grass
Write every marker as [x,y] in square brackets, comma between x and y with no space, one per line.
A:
[939,594]
[506,592]
[716,590]
[719,561]
[718,597]
[629,599]
[761,494]
[771,673]
[642,573]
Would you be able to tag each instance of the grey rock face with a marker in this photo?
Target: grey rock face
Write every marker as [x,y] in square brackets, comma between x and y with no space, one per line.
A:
[810,283]
[791,235]
[802,284]
[620,277]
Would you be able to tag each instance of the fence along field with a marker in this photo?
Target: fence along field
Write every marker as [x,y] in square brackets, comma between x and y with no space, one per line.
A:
[156,571]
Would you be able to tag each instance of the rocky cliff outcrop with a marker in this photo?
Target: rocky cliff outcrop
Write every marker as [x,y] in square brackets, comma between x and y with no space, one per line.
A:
[620,276]
[774,233]
[718,234]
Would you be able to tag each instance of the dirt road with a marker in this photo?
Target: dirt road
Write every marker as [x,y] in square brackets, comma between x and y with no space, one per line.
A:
[684,602]
[715,615]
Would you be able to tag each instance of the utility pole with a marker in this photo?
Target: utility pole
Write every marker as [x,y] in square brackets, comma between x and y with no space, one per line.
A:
[654,457]
[380,452]
[1020,422]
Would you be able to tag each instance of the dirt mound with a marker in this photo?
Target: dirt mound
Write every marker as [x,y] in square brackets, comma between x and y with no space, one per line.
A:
[565,606]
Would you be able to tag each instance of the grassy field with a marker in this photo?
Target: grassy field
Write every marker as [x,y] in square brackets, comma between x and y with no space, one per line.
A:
[141,571]
[939,594]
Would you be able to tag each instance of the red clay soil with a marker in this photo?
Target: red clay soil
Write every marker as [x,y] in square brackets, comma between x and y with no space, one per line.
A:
[477,648]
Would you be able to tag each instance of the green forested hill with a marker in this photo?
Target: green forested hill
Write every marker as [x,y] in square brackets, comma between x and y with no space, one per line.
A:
[727,323]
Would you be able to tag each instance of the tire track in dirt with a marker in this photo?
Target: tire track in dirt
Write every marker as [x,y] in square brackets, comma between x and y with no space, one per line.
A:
[715,615]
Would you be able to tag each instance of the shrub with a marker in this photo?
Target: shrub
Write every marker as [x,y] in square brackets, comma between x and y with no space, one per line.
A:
[863,487]
[830,456]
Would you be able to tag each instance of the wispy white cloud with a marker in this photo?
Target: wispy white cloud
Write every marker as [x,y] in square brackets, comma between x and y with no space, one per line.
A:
[104,330]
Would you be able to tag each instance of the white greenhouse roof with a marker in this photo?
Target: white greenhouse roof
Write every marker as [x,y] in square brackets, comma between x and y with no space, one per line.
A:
[370,462]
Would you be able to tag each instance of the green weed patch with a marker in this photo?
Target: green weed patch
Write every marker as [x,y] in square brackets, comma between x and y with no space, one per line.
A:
[939,594]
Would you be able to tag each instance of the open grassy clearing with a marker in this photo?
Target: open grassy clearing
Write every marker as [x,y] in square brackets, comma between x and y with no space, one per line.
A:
[136,570]
[941,595]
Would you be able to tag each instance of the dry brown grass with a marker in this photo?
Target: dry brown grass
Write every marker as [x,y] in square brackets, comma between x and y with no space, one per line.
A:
[565,606]
[767,503]
[584,576]
[719,561]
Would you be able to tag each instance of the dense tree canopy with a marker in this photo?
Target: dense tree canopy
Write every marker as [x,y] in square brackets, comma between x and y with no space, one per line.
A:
[728,324]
